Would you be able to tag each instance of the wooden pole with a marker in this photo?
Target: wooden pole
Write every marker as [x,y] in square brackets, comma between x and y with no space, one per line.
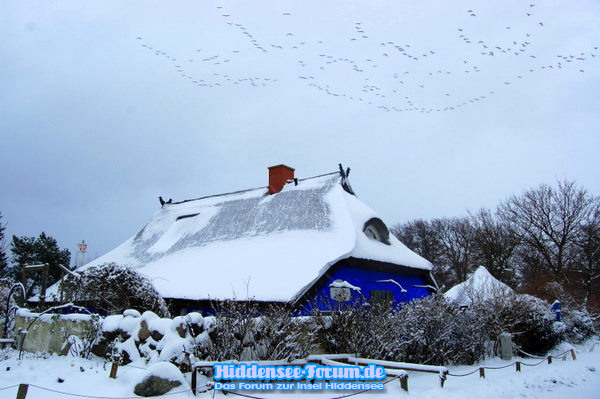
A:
[113,370]
[549,359]
[404,382]
[44,284]
[482,372]
[194,382]
[22,392]
[573,354]
[62,291]
[518,366]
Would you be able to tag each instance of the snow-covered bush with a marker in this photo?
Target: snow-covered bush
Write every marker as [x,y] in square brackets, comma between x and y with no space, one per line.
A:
[111,288]
[6,284]
[434,331]
[579,326]
[240,331]
[526,317]
[82,345]
[430,330]
[360,330]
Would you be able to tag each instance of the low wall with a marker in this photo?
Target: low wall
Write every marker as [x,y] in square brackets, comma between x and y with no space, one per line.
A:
[50,331]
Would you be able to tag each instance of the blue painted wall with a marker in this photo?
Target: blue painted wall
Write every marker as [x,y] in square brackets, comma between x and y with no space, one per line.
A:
[366,281]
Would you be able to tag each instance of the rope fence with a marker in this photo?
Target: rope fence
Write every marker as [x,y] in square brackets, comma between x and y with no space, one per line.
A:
[23,388]
[518,364]
[464,375]
[560,355]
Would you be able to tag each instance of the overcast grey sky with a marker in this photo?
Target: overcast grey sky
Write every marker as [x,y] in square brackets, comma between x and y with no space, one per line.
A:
[437,106]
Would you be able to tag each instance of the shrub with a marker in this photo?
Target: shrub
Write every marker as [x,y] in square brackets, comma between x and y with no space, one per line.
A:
[240,331]
[352,329]
[81,346]
[526,317]
[434,331]
[429,330]
[579,325]
[5,287]
[112,288]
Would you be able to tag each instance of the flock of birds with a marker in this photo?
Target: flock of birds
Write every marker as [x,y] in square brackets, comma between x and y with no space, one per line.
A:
[405,68]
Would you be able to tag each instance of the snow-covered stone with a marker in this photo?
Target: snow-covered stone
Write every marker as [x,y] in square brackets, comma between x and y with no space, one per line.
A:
[131,313]
[111,323]
[159,379]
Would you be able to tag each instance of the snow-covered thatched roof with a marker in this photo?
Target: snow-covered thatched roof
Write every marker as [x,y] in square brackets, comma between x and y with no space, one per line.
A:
[480,286]
[249,244]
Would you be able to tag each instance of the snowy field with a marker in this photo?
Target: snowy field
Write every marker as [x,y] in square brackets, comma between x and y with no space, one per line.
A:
[577,379]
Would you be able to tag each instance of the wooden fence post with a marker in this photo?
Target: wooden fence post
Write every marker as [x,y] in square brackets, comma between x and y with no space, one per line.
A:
[404,382]
[44,285]
[518,366]
[194,380]
[549,359]
[113,370]
[482,372]
[22,392]
[573,354]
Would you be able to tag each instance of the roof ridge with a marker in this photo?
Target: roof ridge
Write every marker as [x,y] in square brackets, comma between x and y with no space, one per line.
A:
[246,190]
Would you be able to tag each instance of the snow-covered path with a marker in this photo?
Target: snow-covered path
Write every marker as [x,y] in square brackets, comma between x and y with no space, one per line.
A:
[579,379]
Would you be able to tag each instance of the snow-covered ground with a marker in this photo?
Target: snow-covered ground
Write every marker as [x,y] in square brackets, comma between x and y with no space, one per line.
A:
[579,379]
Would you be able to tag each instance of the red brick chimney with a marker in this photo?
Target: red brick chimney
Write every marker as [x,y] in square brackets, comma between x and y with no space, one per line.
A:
[278,176]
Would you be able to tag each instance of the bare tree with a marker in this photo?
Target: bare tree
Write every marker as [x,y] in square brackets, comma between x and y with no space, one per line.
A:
[456,236]
[586,269]
[495,245]
[546,221]
[422,237]
[448,243]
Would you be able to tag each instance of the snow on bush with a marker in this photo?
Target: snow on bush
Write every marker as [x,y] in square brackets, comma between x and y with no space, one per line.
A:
[431,330]
[111,287]
[579,326]
[240,331]
[5,286]
[428,331]
[527,318]
[435,330]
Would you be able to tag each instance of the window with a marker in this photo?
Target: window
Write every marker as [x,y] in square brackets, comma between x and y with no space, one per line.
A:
[376,230]
[371,232]
[186,216]
[381,296]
